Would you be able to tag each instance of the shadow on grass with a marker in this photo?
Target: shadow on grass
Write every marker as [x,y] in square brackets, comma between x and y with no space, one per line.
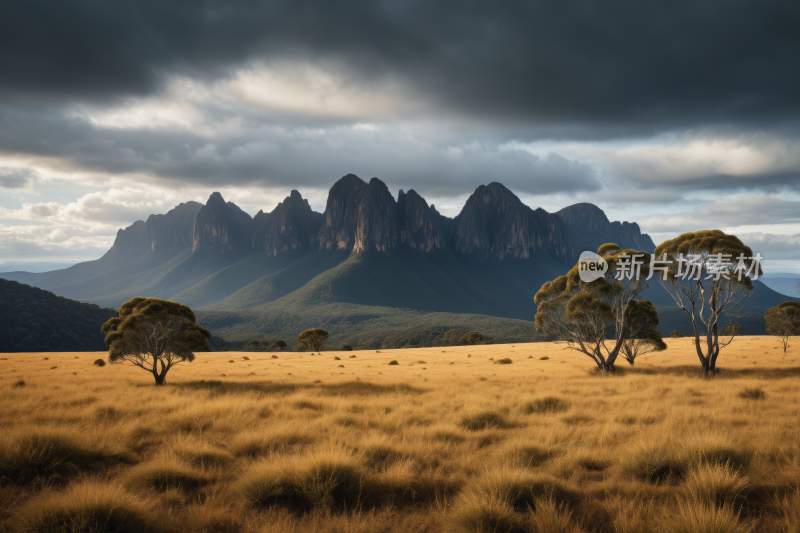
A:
[349,388]
[722,373]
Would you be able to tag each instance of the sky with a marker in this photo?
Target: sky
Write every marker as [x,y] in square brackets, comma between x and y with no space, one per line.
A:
[678,115]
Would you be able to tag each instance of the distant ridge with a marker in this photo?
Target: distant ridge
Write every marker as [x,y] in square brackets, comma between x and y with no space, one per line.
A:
[370,265]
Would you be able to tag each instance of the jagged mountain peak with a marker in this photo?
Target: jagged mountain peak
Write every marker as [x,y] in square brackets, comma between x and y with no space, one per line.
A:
[221,226]
[291,225]
[495,223]
[588,224]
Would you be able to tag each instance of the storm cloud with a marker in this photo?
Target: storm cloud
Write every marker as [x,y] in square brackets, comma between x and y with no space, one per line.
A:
[642,107]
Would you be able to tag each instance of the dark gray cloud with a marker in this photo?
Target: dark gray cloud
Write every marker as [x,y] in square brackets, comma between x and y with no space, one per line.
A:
[278,156]
[17,178]
[619,66]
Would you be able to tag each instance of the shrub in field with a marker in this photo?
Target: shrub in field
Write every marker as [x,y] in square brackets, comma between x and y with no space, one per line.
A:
[699,518]
[19,383]
[715,484]
[345,347]
[89,507]
[755,393]
[504,361]
[393,362]
[25,457]
[99,362]
[548,404]
[677,334]
[479,420]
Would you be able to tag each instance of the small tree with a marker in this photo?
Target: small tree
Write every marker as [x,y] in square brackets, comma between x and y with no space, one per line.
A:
[278,345]
[154,335]
[783,321]
[473,337]
[677,334]
[642,337]
[452,337]
[584,313]
[345,347]
[707,273]
[313,338]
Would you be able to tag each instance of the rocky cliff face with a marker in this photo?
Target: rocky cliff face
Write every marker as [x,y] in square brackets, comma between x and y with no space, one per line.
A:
[363,216]
[589,228]
[341,213]
[495,223]
[174,229]
[169,231]
[420,226]
[131,239]
[291,225]
[376,222]
[221,227]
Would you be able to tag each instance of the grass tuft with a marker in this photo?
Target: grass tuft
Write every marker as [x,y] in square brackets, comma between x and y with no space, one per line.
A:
[473,514]
[88,508]
[692,517]
[19,383]
[165,473]
[546,405]
[715,484]
[393,362]
[328,483]
[504,361]
[479,420]
[755,393]
[42,454]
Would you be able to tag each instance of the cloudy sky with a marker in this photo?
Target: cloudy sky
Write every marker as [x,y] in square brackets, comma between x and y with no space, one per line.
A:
[678,115]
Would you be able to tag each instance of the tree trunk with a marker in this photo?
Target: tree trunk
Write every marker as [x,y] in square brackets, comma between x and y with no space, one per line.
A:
[160,380]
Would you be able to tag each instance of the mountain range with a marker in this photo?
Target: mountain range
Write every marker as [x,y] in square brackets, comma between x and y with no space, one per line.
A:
[370,267]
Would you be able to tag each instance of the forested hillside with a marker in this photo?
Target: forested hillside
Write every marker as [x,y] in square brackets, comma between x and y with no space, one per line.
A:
[35,320]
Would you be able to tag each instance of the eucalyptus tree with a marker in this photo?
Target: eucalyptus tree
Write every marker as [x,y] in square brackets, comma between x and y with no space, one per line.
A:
[585,312]
[708,274]
[154,335]
[783,321]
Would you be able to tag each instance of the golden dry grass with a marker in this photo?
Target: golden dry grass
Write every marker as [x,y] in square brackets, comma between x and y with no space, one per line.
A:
[445,440]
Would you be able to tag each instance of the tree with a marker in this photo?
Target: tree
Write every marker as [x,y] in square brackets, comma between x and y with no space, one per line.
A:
[707,273]
[278,345]
[345,347]
[677,335]
[783,321]
[452,337]
[313,338]
[154,335]
[642,337]
[584,313]
[473,337]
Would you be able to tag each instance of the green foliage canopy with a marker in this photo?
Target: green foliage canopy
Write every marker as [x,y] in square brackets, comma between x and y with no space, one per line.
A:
[154,335]
[313,338]
[713,291]
[783,321]
[582,313]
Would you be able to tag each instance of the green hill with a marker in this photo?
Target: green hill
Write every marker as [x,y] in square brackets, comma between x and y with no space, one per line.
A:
[35,320]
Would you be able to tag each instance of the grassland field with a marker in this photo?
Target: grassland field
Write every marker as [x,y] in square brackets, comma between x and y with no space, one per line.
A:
[448,439]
